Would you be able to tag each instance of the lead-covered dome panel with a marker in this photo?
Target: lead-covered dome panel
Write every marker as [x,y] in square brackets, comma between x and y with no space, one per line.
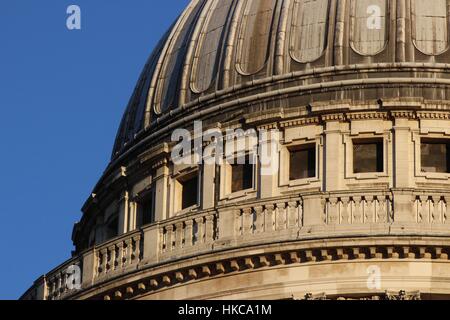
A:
[218,45]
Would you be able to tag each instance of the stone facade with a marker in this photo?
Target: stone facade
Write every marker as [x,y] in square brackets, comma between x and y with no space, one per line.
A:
[358,90]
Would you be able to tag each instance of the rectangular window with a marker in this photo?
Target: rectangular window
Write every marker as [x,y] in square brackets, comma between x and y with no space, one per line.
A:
[302,163]
[112,228]
[242,176]
[435,156]
[368,155]
[189,193]
[146,210]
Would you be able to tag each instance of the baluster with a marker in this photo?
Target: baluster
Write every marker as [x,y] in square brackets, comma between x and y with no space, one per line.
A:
[333,211]
[269,220]
[120,255]
[444,213]
[358,212]
[437,210]
[281,216]
[345,211]
[109,260]
[64,287]
[370,209]
[201,229]
[209,233]
[293,217]
[104,260]
[189,233]
[59,284]
[259,214]
[169,237]
[98,258]
[128,251]
[112,257]
[248,221]
[137,247]
[424,209]
[380,209]
[179,235]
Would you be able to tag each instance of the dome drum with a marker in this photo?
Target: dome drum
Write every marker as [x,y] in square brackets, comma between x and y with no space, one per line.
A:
[358,93]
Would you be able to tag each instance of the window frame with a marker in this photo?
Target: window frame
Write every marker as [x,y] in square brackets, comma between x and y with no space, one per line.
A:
[177,192]
[428,176]
[285,163]
[226,176]
[349,156]
[369,141]
[139,200]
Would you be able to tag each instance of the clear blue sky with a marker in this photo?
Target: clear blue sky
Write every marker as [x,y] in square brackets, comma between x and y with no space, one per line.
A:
[62,94]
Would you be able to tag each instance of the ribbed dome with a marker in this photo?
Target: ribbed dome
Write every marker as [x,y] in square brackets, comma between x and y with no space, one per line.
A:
[219,45]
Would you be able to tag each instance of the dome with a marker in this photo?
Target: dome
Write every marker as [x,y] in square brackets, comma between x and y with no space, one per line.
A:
[218,48]
[356,97]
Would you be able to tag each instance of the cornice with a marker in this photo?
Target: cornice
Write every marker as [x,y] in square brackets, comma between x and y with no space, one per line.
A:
[331,251]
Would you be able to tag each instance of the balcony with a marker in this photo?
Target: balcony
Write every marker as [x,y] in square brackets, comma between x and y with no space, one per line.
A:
[288,221]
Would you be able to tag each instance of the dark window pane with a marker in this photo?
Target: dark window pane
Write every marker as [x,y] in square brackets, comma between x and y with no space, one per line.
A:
[242,177]
[435,157]
[302,163]
[368,156]
[190,192]
[112,229]
[147,211]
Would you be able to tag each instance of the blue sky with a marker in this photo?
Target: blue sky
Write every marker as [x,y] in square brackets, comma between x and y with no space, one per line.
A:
[62,95]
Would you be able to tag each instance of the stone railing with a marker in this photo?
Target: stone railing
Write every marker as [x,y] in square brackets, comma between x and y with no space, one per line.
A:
[358,209]
[239,225]
[266,219]
[119,256]
[58,284]
[195,233]
[63,281]
[432,209]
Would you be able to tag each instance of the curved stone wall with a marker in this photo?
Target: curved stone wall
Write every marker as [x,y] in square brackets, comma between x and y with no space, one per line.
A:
[357,90]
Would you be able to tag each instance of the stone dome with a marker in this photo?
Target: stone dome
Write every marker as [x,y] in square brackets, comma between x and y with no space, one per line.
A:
[223,50]
[358,94]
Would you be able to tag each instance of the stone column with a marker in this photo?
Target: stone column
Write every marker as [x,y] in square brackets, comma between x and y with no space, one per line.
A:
[161,191]
[124,213]
[152,244]
[208,185]
[403,166]
[269,166]
[334,153]
[132,213]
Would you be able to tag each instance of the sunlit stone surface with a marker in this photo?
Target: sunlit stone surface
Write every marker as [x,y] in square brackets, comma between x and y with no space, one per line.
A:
[359,90]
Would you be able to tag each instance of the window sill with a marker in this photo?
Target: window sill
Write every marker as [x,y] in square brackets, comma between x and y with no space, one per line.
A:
[187,210]
[368,176]
[434,176]
[239,195]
